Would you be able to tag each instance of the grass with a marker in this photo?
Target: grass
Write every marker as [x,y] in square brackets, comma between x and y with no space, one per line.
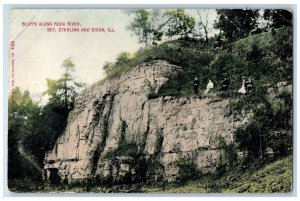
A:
[275,177]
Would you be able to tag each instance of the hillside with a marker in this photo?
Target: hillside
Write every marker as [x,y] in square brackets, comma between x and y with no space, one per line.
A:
[266,58]
[274,177]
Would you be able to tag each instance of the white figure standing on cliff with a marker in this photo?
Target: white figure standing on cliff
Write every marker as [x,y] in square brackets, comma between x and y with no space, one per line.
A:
[209,86]
[242,90]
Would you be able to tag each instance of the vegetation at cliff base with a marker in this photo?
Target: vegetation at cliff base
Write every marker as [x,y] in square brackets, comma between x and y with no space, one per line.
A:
[274,177]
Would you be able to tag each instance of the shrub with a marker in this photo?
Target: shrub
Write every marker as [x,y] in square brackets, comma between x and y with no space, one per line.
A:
[154,170]
[187,170]
[228,157]
[270,126]
[22,174]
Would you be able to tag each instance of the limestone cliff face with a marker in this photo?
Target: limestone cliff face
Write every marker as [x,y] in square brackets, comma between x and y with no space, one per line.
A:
[119,125]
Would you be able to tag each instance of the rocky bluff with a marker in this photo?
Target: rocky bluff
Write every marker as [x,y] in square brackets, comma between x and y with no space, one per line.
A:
[121,130]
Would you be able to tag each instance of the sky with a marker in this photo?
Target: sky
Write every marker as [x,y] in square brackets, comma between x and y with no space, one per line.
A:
[39,54]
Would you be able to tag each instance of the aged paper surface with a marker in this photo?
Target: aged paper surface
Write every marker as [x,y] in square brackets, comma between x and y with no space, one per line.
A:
[150,100]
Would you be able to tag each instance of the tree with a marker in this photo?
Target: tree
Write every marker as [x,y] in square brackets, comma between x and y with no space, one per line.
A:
[22,111]
[278,18]
[203,23]
[44,129]
[146,25]
[21,103]
[52,119]
[269,118]
[62,92]
[179,24]
[236,23]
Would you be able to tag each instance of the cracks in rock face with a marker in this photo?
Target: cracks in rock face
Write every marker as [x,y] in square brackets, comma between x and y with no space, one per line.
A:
[159,141]
[104,132]
[78,142]
[144,139]
[99,107]
[145,134]
[99,110]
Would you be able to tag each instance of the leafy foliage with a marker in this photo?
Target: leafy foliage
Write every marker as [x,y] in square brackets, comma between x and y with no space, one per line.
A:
[265,58]
[179,24]
[154,171]
[187,170]
[190,55]
[51,120]
[236,23]
[46,127]
[278,18]
[147,26]
[21,114]
[124,62]
[33,129]
[228,157]
[152,25]
[62,92]
[259,57]
[261,132]
[275,177]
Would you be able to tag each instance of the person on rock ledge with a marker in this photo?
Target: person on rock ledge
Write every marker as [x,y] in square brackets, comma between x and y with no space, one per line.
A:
[196,84]
[225,83]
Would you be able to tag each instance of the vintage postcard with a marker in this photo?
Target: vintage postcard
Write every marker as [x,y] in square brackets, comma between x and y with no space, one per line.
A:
[150,100]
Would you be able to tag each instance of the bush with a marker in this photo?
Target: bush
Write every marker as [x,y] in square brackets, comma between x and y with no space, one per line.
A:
[269,56]
[270,126]
[154,170]
[228,158]
[23,176]
[187,170]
